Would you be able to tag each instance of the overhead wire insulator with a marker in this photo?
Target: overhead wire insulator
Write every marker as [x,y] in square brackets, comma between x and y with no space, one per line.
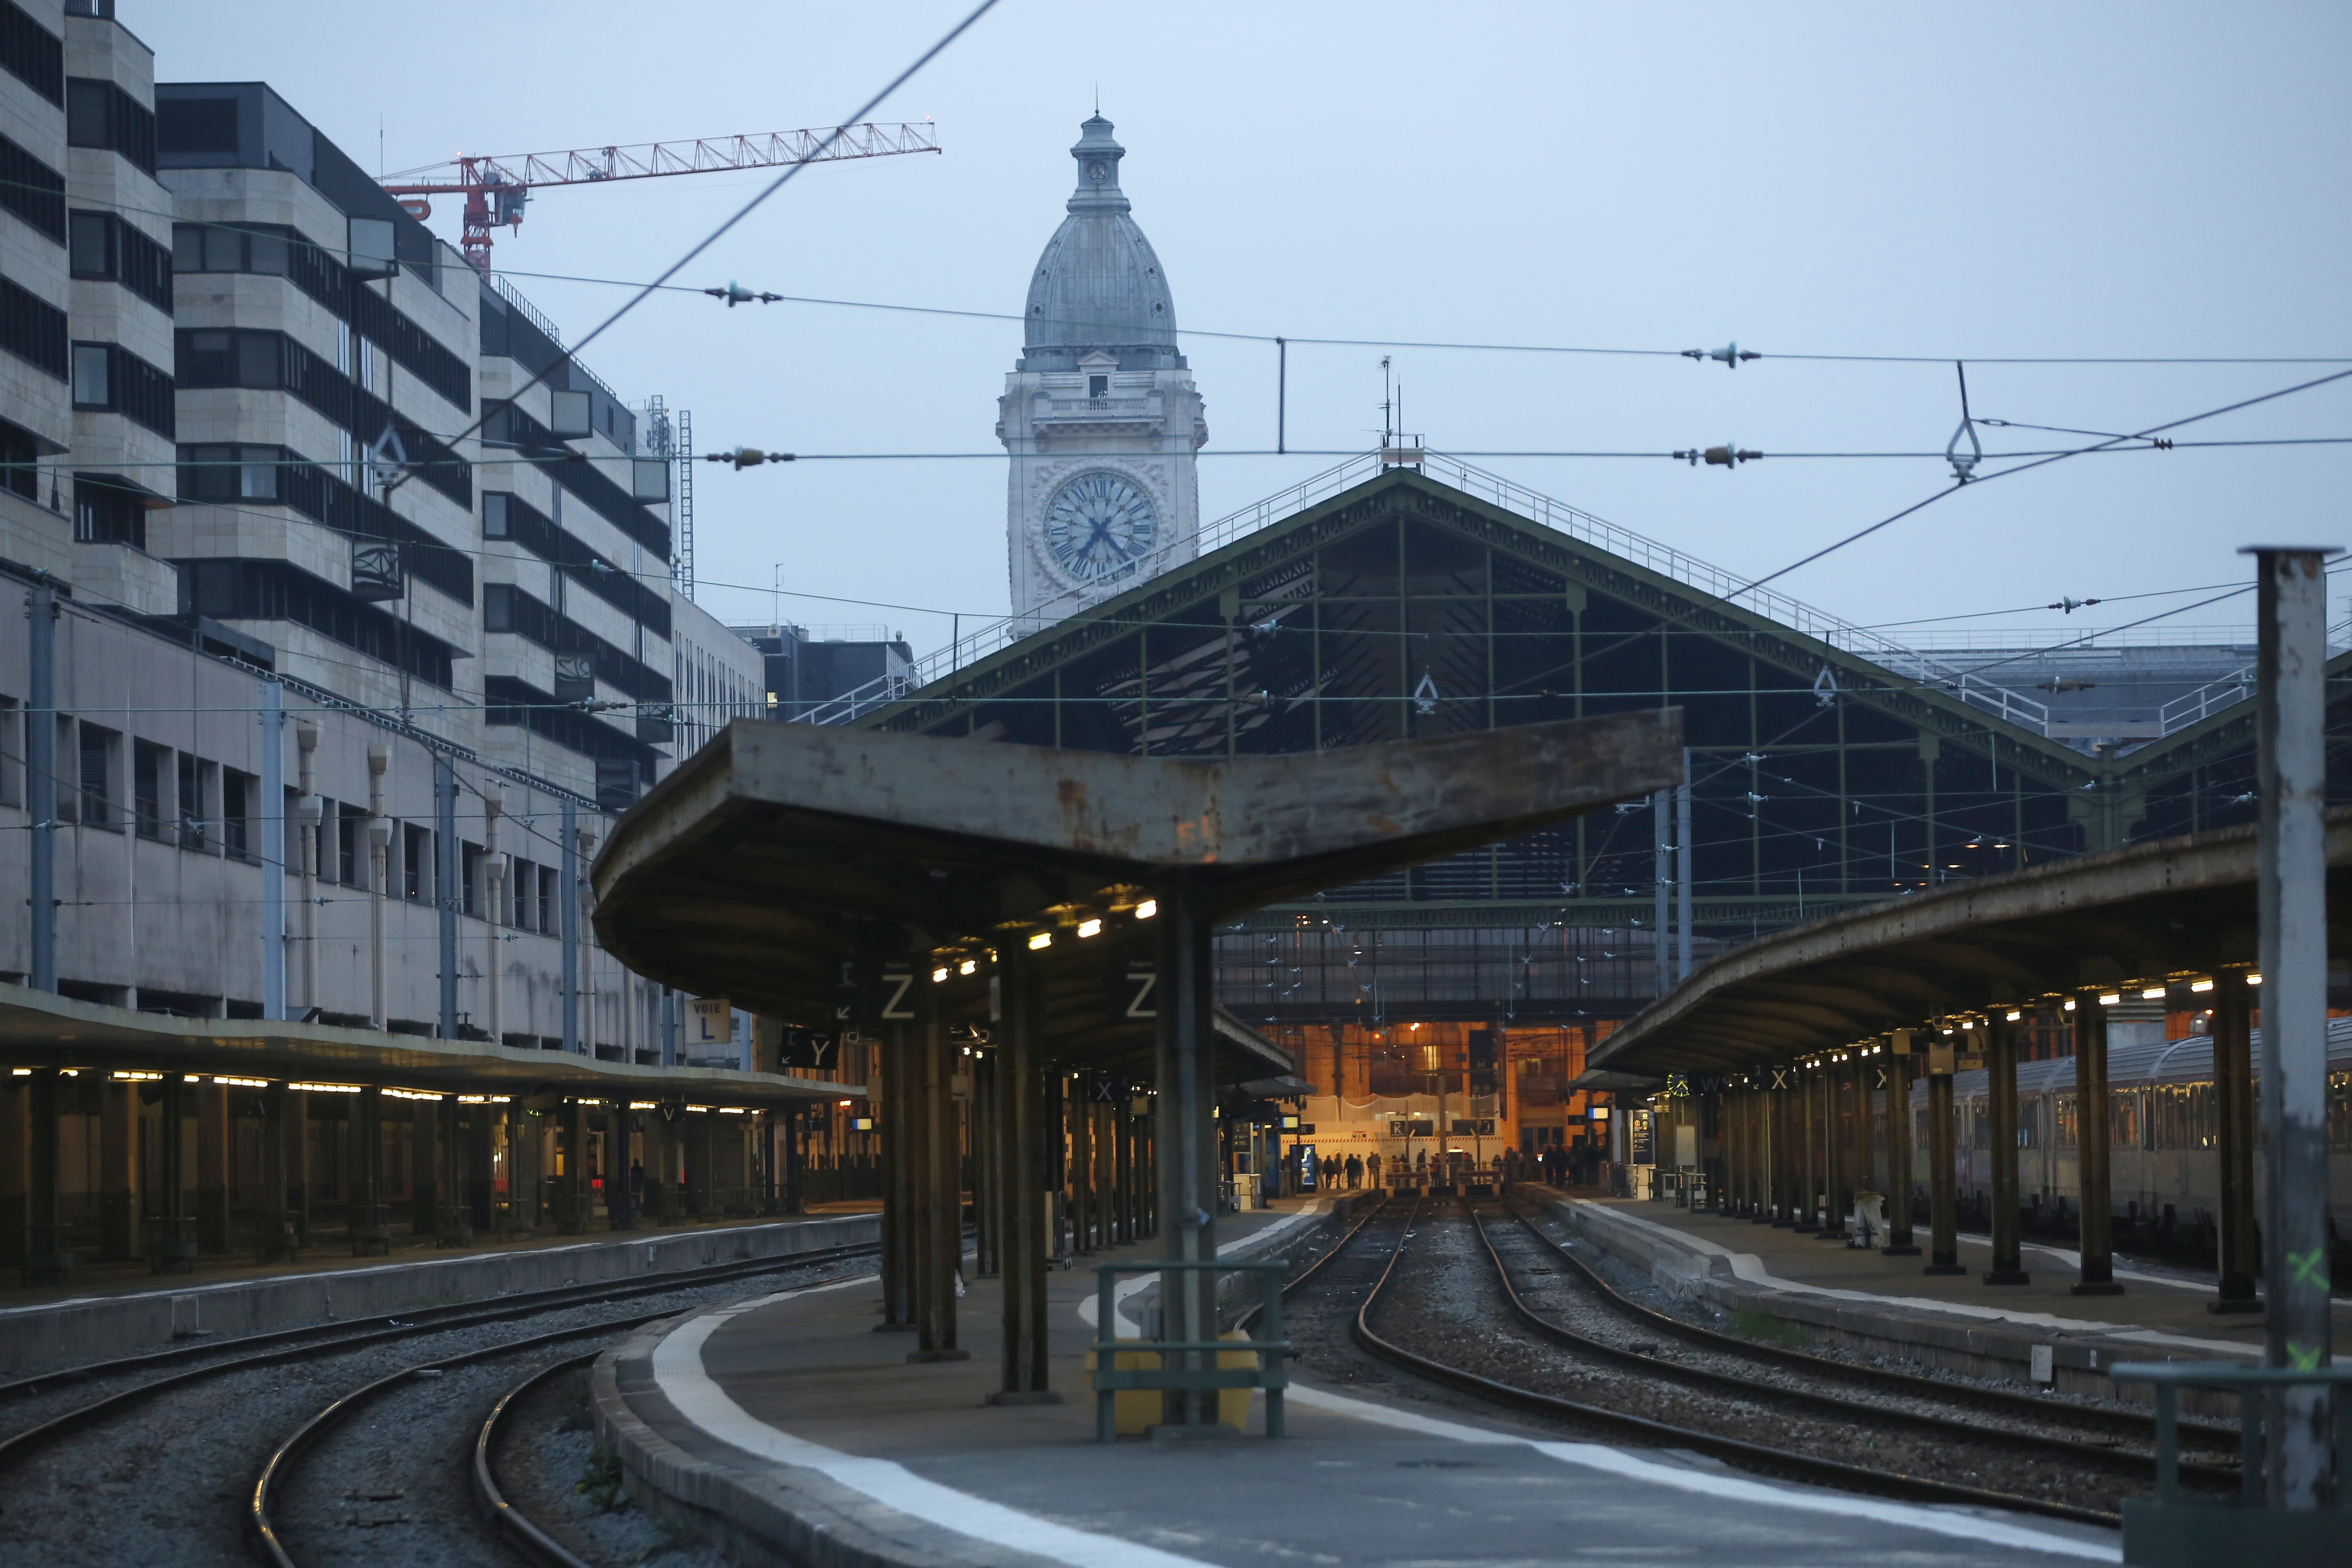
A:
[1964,466]
[1728,455]
[748,457]
[736,294]
[2071,605]
[1729,355]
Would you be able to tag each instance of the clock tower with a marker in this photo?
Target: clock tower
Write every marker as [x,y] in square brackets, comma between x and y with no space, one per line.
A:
[1100,413]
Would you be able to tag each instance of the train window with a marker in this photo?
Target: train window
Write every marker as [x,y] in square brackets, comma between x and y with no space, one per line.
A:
[2339,1110]
[2068,1134]
[2124,1119]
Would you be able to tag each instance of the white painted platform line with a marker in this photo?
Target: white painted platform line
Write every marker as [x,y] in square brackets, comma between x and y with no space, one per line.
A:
[1730,1489]
[677,1372]
[1749,1266]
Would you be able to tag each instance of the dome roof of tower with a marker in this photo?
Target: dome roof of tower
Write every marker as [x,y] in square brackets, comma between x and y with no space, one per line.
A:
[1098,286]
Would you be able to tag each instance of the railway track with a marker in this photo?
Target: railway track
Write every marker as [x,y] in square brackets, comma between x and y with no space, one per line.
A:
[309,1447]
[1441,1305]
[2039,1410]
[90,1484]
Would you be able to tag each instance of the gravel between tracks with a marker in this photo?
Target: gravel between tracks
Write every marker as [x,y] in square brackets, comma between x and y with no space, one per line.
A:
[1637,1285]
[166,1481]
[1443,1303]
[548,1451]
[1556,1290]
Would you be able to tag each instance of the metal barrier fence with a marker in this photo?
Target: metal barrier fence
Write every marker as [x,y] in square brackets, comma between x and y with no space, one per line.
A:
[1272,1350]
[2171,1531]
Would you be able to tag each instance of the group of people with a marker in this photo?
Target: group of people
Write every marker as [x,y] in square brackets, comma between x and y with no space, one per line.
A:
[1559,1166]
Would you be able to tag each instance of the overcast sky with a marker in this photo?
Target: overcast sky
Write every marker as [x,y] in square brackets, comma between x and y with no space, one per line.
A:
[2000,180]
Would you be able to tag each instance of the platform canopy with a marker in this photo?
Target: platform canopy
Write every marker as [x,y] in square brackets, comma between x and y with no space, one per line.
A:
[39,1031]
[2154,914]
[781,853]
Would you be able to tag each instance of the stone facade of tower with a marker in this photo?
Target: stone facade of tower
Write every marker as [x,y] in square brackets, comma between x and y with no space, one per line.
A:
[1099,414]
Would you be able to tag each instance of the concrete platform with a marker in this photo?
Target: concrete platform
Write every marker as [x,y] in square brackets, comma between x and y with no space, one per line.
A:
[790,1431]
[1883,1305]
[124,1317]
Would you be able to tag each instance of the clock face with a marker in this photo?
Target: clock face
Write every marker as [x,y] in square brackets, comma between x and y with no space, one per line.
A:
[1099,525]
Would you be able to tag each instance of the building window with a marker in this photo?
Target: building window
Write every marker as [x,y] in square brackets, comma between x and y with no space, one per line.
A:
[192,803]
[31,53]
[225,473]
[12,751]
[1098,386]
[239,791]
[147,765]
[108,377]
[31,190]
[100,114]
[415,862]
[101,246]
[31,328]
[350,853]
[20,462]
[89,245]
[522,891]
[471,876]
[99,748]
[93,376]
[551,920]
[106,513]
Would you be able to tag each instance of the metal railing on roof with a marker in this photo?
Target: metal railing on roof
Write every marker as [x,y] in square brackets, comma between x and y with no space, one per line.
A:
[538,317]
[1512,497]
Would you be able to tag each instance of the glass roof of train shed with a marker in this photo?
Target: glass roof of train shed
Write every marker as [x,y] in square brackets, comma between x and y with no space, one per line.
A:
[1829,767]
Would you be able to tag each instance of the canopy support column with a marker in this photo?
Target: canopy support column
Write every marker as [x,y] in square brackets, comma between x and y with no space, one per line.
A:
[1021,1217]
[1899,1243]
[1943,1180]
[2000,1095]
[2093,1151]
[2234,1095]
[1187,1137]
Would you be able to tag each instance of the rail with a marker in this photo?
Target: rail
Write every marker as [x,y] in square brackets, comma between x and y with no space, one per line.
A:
[1512,497]
[1199,1363]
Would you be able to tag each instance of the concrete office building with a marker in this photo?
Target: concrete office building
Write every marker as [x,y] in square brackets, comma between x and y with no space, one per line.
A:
[241,389]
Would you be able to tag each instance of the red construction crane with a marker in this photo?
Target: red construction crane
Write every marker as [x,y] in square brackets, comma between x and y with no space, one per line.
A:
[495,189]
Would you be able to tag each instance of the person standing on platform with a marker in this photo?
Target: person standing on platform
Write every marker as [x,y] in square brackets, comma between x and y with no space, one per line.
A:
[1373,1166]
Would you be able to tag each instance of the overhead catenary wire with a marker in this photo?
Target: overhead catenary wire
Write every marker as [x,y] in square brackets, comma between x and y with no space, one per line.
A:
[103,199]
[1465,346]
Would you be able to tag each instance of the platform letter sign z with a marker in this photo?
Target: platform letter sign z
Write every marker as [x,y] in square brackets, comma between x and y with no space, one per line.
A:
[1140,984]
[896,983]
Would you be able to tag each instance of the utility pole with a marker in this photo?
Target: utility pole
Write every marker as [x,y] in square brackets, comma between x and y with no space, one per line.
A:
[571,927]
[448,869]
[307,819]
[41,778]
[379,851]
[494,897]
[2292,893]
[1683,871]
[273,850]
[1661,878]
